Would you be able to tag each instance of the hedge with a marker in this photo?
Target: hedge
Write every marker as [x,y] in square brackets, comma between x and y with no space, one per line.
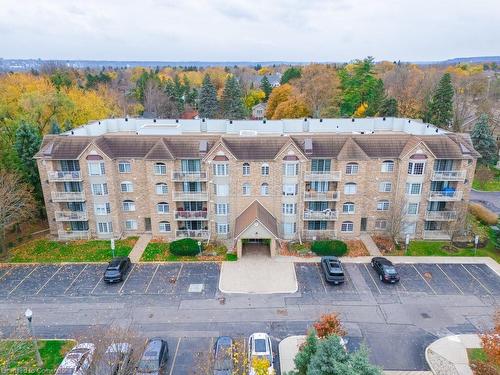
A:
[184,247]
[329,247]
[484,215]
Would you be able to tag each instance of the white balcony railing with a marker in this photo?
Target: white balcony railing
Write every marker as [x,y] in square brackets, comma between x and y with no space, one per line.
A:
[190,196]
[191,215]
[436,235]
[192,233]
[321,196]
[443,196]
[74,235]
[320,215]
[449,175]
[441,215]
[63,196]
[319,234]
[322,175]
[71,216]
[189,176]
[64,176]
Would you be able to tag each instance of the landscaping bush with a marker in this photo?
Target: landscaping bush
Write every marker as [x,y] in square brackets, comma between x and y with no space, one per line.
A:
[329,247]
[184,247]
[483,214]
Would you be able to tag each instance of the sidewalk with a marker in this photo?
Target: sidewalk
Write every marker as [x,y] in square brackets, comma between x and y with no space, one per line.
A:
[371,246]
[448,355]
[139,247]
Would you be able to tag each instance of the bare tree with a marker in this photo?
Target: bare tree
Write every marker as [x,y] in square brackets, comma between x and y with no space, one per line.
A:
[457,227]
[157,101]
[469,91]
[396,218]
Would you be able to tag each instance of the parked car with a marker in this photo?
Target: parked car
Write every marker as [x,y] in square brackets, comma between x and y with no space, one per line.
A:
[386,271]
[223,356]
[260,346]
[154,359]
[116,269]
[115,360]
[333,269]
[77,361]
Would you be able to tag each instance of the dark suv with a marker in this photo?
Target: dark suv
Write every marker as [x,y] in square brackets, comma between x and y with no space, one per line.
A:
[385,269]
[116,269]
[154,358]
[333,270]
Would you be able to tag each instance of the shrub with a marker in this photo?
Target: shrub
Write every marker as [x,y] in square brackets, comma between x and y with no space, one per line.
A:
[483,214]
[329,247]
[184,247]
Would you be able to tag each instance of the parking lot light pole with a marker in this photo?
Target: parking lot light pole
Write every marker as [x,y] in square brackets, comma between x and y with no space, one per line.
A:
[29,316]
[199,247]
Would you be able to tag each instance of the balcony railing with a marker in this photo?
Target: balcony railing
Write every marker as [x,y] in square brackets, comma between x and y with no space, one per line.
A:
[71,216]
[189,176]
[74,235]
[441,215]
[192,233]
[321,196]
[320,215]
[442,196]
[319,234]
[63,196]
[436,235]
[448,175]
[322,175]
[190,196]
[191,215]
[63,176]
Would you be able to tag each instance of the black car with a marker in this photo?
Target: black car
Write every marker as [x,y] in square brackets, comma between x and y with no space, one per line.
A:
[116,269]
[154,359]
[333,270]
[223,356]
[385,269]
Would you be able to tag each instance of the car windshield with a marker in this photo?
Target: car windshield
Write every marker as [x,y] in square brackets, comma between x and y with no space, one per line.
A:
[260,346]
[390,270]
[148,365]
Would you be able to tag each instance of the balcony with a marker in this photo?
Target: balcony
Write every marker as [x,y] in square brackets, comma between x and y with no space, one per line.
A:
[320,215]
[445,196]
[180,176]
[71,216]
[436,235]
[64,176]
[74,235]
[448,175]
[321,196]
[441,215]
[190,215]
[190,196]
[193,233]
[313,235]
[322,176]
[63,196]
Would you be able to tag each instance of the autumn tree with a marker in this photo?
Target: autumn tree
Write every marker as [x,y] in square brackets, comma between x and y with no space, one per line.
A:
[157,103]
[278,95]
[389,107]
[27,144]
[469,93]
[329,324]
[232,101]
[490,342]
[208,105]
[484,142]
[440,105]
[483,175]
[289,74]
[294,107]
[265,86]
[254,97]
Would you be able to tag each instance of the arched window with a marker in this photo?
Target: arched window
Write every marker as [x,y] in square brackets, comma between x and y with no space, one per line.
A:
[351,168]
[162,208]
[387,166]
[347,226]
[246,188]
[383,205]
[128,205]
[246,169]
[160,169]
[264,189]
[164,226]
[265,169]
[350,188]
[127,187]
[348,208]
[161,188]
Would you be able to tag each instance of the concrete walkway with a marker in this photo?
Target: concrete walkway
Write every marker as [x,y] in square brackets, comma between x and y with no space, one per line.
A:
[448,355]
[371,246]
[139,247]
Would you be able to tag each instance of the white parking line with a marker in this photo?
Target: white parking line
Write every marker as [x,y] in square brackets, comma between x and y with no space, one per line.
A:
[456,286]
[177,278]
[72,282]
[175,355]
[371,277]
[423,278]
[50,278]
[321,278]
[125,281]
[100,279]
[25,277]
[154,273]
[6,273]
[480,283]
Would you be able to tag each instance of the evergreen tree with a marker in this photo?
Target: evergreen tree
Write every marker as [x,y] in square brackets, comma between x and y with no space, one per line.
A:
[375,98]
[27,143]
[208,106]
[55,128]
[289,74]
[483,141]
[265,85]
[440,105]
[389,108]
[232,105]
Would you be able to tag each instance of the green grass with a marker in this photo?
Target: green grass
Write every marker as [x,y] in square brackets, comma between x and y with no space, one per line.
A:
[46,251]
[493,185]
[231,257]
[476,354]
[22,356]
[159,252]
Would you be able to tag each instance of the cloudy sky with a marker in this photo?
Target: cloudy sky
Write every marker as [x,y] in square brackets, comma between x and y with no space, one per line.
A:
[253,30]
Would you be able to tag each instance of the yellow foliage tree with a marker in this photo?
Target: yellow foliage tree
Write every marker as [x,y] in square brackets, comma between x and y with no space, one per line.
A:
[261,366]
[279,95]
[254,97]
[360,111]
[263,71]
[294,107]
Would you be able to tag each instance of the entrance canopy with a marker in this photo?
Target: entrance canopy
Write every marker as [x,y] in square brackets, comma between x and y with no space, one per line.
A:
[256,222]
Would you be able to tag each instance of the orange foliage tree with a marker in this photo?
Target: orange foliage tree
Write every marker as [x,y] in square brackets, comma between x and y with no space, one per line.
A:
[328,325]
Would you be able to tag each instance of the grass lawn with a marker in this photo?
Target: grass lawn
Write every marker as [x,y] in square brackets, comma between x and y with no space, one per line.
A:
[493,185]
[19,356]
[159,252]
[46,251]
[478,355]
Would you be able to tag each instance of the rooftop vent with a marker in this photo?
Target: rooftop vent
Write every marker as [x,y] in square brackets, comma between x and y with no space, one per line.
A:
[308,146]
[203,148]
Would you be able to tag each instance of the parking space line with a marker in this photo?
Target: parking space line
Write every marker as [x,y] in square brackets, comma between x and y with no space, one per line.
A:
[474,277]
[423,278]
[175,355]
[72,282]
[25,277]
[125,281]
[321,278]
[460,290]
[50,278]
[152,277]
[371,277]
[96,285]
[177,279]
[6,273]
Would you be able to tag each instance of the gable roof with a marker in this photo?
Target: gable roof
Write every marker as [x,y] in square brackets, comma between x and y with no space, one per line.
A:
[351,151]
[255,212]
[159,151]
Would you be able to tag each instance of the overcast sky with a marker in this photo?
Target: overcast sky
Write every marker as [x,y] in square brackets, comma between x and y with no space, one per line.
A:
[256,30]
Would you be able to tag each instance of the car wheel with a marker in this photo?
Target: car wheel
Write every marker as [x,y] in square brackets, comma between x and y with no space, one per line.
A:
[380,277]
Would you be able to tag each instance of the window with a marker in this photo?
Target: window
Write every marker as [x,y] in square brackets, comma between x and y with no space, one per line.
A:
[383,205]
[412,209]
[160,169]
[190,165]
[380,224]
[96,168]
[221,169]
[246,169]
[126,187]
[348,208]
[164,226]
[161,188]
[264,189]
[347,226]
[105,227]
[102,209]
[221,190]
[162,208]
[124,167]
[415,168]
[289,228]
[247,189]
[128,206]
[316,225]
[222,228]
[385,187]
[221,209]
[319,186]
[351,168]
[441,165]
[289,208]
[100,189]
[317,206]
[413,189]
[321,165]
[289,189]
[387,166]
[130,224]
[350,188]
[265,169]
[290,169]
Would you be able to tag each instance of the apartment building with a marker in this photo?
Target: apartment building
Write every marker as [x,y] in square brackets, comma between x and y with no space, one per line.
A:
[269,181]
